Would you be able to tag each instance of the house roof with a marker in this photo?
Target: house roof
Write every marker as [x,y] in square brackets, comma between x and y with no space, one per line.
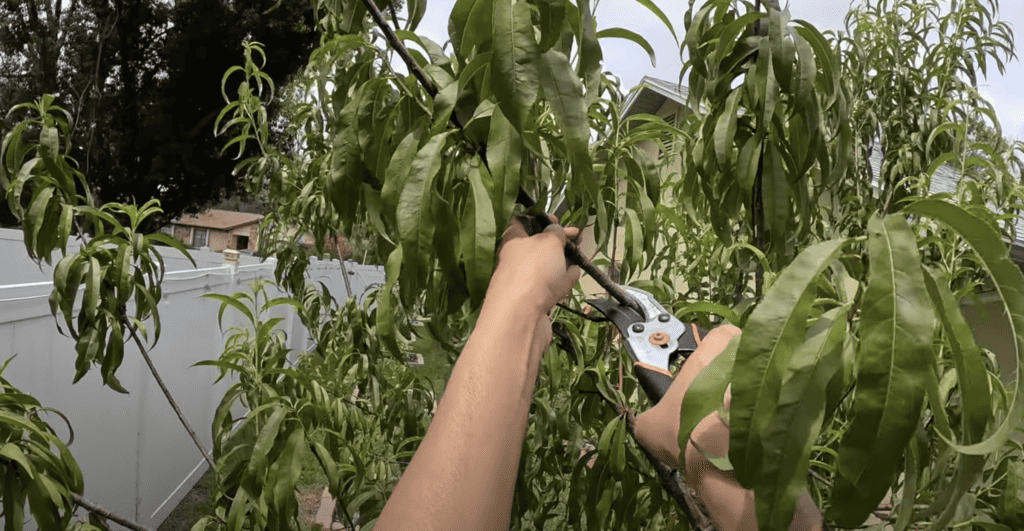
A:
[651,94]
[218,219]
[945,181]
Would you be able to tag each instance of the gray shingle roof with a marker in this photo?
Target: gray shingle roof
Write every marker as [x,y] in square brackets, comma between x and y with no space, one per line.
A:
[651,94]
[945,180]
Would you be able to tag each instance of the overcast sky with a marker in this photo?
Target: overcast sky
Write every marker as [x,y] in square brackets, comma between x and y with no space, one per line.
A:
[630,62]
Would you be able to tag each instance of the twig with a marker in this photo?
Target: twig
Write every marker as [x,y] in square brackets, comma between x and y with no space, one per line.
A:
[114,517]
[170,399]
[410,63]
[671,481]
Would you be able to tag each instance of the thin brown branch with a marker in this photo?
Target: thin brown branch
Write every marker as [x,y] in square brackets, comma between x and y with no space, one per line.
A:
[671,482]
[393,40]
[112,516]
[170,399]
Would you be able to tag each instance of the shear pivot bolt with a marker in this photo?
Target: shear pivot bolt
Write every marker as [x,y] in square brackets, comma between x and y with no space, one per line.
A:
[663,317]
[659,339]
[638,328]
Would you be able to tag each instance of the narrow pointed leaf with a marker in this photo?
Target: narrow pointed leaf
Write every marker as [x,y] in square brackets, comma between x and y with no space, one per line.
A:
[894,362]
[478,236]
[513,60]
[797,419]
[1009,283]
[564,93]
[622,33]
[774,330]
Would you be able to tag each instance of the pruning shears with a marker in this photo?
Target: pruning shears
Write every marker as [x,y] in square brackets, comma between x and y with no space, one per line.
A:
[654,338]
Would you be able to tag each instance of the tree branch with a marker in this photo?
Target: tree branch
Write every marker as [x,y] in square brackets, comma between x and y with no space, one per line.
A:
[410,63]
[671,482]
[114,517]
[160,382]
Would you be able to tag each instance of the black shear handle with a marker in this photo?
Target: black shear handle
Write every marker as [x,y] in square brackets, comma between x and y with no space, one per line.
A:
[654,381]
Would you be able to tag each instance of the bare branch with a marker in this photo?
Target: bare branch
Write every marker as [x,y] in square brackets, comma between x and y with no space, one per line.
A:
[112,516]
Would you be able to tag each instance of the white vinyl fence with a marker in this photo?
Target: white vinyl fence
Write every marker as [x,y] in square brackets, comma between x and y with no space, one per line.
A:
[136,458]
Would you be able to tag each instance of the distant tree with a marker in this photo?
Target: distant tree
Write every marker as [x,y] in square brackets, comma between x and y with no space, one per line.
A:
[141,80]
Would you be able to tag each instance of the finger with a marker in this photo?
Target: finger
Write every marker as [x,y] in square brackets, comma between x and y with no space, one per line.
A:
[573,234]
[558,231]
[515,229]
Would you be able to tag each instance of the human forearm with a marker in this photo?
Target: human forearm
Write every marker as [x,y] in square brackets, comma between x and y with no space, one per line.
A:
[463,474]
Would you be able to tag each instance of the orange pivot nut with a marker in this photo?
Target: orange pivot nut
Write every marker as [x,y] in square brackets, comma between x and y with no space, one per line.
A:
[659,339]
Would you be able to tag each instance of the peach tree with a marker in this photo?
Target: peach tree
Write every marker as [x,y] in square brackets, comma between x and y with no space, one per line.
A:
[859,380]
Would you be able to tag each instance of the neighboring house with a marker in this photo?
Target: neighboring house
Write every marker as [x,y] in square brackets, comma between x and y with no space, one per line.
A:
[218,230]
[224,229]
[985,314]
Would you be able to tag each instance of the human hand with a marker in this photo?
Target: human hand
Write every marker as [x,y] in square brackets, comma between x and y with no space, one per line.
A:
[533,267]
[658,428]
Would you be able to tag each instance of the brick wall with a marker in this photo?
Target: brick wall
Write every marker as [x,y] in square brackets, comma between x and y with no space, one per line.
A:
[182,232]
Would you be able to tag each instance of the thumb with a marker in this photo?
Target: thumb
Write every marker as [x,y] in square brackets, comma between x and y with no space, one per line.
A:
[558,231]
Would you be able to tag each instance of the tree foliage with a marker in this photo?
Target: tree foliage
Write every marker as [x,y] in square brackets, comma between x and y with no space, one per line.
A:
[139,79]
[858,376]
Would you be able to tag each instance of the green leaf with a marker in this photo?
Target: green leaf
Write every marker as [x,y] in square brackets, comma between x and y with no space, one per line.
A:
[634,243]
[967,358]
[398,169]
[415,226]
[123,273]
[513,61]
[774,330]
[589,52]
[478,235]
[725,133]
[775,196]
[796,421]
[91,301]
[552,20]
[894,362]
[725,312]
[225,301]
[468,24]
[112,360]
[67,216]
[264,442]
[706,393]
[504,155]
[661,16]
[35,221]
[622,33]
[565,95]
[416,10]
[290,466]
[1009,283]
[386,303]
[12,452]
[171,241]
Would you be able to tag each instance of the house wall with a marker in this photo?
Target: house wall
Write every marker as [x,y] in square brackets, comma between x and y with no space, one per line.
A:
[183,233]
[247,230]
[139,461]
[992,330]
[220,240]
